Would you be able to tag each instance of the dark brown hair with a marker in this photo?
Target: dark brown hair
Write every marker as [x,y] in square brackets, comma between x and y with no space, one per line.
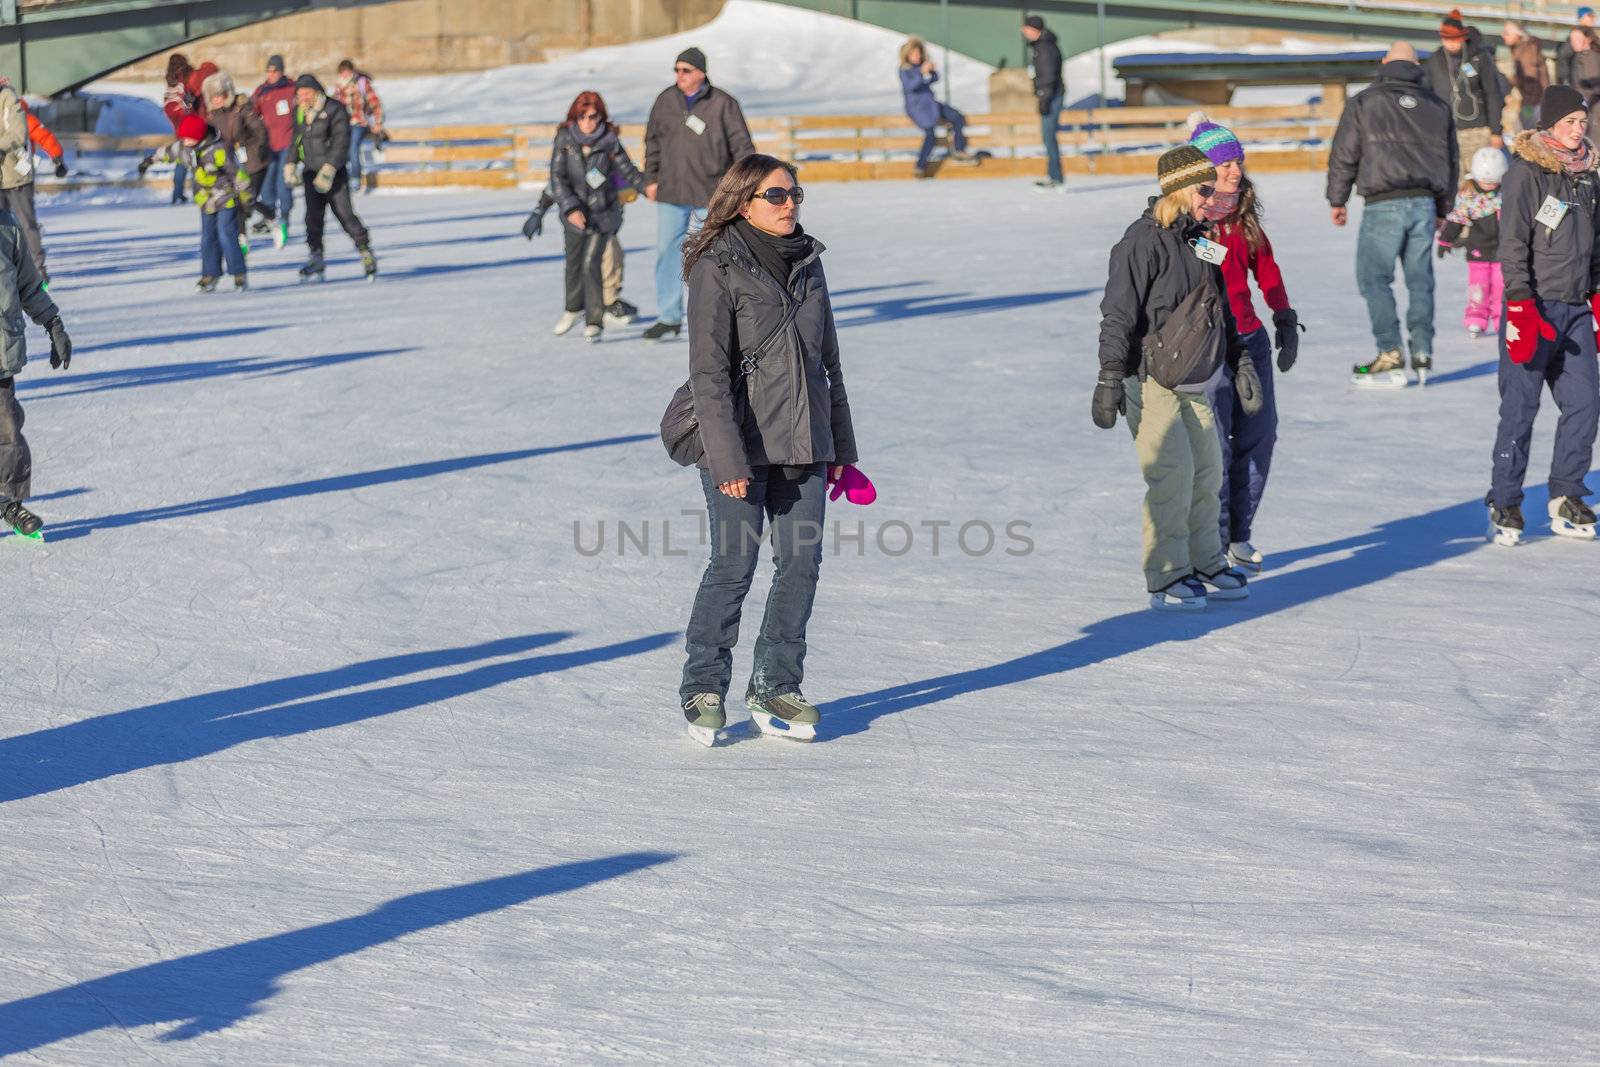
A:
[1247,216]
[178,68]
[736,189]
[588,100]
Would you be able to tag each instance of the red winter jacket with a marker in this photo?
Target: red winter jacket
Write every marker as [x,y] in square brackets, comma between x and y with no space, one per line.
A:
[275,101]
[1236,268]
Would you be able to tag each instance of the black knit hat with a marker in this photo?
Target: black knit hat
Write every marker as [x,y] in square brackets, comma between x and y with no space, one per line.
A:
[309,81]
[1034,22]
[275,62]
[1559,102]
[1182,167]
[694,57]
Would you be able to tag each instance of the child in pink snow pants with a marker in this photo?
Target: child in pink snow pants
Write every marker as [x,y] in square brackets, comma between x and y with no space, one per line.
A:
[1474,224]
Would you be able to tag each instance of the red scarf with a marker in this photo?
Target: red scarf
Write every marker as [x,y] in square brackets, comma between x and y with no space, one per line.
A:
[1575,160]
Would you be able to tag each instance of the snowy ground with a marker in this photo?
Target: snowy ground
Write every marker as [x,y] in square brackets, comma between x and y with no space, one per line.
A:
[321,743]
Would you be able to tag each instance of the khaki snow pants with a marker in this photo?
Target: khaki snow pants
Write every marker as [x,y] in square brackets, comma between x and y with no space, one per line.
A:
[611,271]
[1175,437]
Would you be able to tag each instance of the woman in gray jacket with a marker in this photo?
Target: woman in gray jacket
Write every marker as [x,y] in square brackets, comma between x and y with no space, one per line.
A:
[775,424]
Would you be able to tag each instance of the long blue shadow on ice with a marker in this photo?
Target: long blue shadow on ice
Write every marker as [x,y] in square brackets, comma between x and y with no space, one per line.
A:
[192,727]
[211,991]
[55,388]
[168,339]
[1393,548]
[946,305]
[316,486]
[1477,370]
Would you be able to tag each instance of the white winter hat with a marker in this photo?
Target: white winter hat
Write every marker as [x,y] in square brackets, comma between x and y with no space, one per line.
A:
[1488,166]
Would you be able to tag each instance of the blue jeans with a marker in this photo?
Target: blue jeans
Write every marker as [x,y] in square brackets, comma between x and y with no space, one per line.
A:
[179,173]
[795,509]
[1398,230]
[674,222]
[219,240]
[275,190]
[1049,126]
[1567,365]
[1247,440]
[958,134]
[357,135]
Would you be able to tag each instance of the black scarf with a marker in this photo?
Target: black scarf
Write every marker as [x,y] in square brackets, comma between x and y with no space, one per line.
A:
[776,255]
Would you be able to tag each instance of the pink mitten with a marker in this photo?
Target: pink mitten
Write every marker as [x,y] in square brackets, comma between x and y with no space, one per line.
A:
[854,485]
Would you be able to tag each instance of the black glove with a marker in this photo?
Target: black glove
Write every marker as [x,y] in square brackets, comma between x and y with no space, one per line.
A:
[60,344]
[1286,335]
[145,164]
[1109,399]
[1247,385]
[534,225]
[1443,250]
[61,167]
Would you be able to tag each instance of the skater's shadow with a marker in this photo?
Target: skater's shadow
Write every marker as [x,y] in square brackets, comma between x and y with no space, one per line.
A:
[430,270]
[1393,548]
[946,305]
[210,991]
[171,373]
[318,486]
[1477,370]
[188,728]
[167,340]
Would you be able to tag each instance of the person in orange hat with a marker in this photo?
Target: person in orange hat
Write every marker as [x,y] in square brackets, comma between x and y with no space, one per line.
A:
[1462,72]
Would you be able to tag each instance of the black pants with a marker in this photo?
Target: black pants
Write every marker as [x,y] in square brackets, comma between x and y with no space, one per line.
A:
[16,462]
[257,181]
[19,202]
[584,292]
[338,198]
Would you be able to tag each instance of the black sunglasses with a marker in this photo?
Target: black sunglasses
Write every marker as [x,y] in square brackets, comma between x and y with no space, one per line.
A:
[778,197]
[1207,191]
[589,117]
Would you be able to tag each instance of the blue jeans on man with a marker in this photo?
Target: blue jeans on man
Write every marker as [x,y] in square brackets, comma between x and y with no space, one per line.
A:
[1402,229]
[1567,365]
[357,135]
[1049,127]
[674,222]
[958,135]
[275,190]
[219,241]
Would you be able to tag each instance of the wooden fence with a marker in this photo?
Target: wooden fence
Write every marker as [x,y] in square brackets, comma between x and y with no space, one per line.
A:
[1120,140]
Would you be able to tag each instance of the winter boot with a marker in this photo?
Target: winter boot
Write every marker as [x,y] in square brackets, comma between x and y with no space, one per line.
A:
[620,313]
[1571,517]
[24,522]
[1505,525]
[785,715]
[660,331]
[369,263]
[206,285]
[315,268]
[706,716]
[1388,371]
[1185,594]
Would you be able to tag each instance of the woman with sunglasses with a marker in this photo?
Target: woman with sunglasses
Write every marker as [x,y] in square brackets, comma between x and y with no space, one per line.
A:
[1165,315]
[585,157]
[770,400]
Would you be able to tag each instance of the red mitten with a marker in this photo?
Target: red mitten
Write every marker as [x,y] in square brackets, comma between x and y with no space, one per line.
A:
[1524,327]
[1594,309]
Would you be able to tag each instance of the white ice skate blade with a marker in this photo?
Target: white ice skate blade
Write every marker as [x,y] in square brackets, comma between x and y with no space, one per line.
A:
[1163,602]
[702,735]
[1394,379]
[773,726]
[1422,376]
[1563,528]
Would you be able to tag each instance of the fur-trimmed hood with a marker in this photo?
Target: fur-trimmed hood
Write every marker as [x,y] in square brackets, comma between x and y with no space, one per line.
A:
[1530,146]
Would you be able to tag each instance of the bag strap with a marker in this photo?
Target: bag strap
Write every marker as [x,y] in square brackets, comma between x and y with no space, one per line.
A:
[748,364]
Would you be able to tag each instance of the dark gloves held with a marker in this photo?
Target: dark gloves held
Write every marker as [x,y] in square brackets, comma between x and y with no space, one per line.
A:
[1247,386]
[1443,250]
[60,344]
[61,167]
[534,225]
[145,164]
[1286,335]
[1109,399]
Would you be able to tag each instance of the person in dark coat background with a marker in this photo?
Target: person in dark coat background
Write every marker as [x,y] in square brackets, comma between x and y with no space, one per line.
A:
[917,77]
[322,148]
[1462,73]
[274,100]
[1049,90]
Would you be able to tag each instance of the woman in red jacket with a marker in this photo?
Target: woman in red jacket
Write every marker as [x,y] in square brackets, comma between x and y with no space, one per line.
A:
[1247,440]
[178,102]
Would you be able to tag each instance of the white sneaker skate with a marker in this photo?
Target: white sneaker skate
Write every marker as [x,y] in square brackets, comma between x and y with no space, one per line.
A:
[567,321]
[787,715]
[1245,556]
[1387,371]
[705,715]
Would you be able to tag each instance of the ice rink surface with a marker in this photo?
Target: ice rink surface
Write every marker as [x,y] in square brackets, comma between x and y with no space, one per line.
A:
[326,738]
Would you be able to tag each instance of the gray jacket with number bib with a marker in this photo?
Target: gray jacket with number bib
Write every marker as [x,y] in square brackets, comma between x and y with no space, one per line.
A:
[791,408]
[687,164]
[1552,264]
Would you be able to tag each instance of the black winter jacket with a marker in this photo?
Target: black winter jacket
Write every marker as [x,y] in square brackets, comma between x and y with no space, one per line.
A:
[322,135]
[1153,269]
[1395,139]
[1475,99]
[687,164]
[791,408]
[1044,63]
[1561,264]
[580,179]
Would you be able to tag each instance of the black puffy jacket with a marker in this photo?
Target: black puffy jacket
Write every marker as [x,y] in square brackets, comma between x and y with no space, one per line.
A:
[1561,264]
[1153,269]
[791,409]
[1044,63]
[1475,99]
[322,135]
[1395,139]
[581,179]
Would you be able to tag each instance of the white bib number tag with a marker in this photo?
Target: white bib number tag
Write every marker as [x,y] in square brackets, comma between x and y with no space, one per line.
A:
[595,179]
[696,124]
[283,107]
[1208,251]
[1468,70]
[1551,212]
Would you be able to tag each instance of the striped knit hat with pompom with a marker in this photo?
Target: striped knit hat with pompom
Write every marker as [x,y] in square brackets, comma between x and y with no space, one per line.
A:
[1181,167]
[1217,142]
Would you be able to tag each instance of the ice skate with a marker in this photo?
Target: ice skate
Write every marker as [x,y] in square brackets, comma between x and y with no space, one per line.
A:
[241,282]
[206,285]
[566,322]
[369,264]
[1505,525]
[1245,556]
[280,234]
[592,334]
[23,522]
[963,159]
[244,245]
[1045,185]
[1475,331]
[315,268]
[660,331]
[1186,594]
[1388,371]
[1571,517]
[261,227]
[1229,583]
[620,313]
[786,715]
[1422,363]
[706,716]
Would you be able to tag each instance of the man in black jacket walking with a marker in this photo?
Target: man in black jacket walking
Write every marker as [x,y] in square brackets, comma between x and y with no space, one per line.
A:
[1396,145]
[322,146]
[695,133]
[1462,73]
[1049,90]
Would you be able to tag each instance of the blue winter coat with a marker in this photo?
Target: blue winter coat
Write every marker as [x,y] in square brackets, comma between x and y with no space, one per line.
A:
[921,105]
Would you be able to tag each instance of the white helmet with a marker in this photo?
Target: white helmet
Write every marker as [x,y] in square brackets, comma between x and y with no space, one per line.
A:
[1488,166]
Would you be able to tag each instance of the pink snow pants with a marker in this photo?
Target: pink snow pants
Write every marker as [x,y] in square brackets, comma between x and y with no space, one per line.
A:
[1485,296]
